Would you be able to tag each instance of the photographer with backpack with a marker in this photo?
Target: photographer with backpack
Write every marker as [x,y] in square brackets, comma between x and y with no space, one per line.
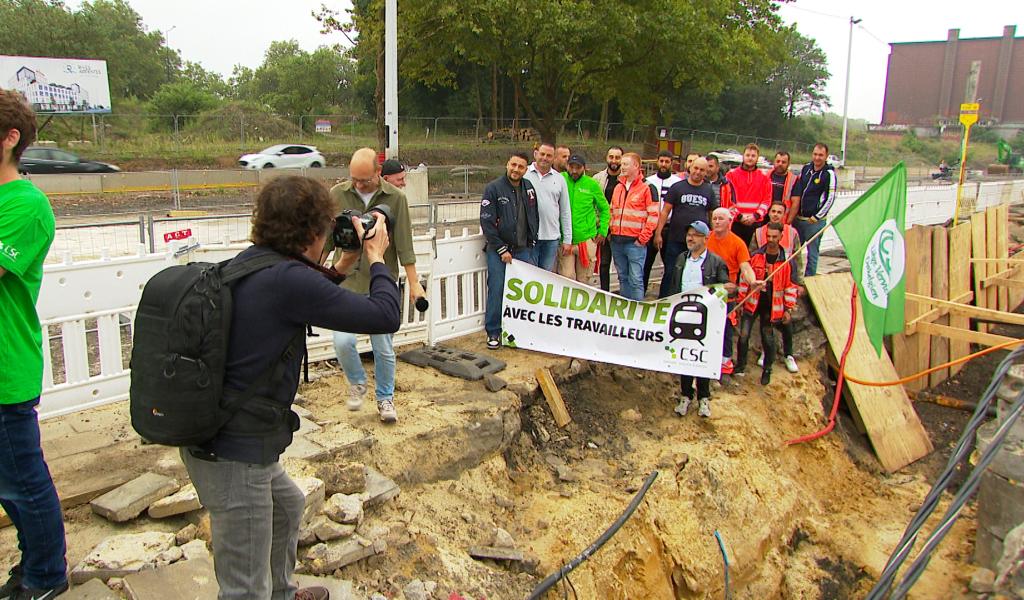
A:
[255,508]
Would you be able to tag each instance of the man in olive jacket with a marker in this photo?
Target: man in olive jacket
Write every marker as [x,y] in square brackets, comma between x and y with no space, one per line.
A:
[585,198]
[365,190]
[695,267]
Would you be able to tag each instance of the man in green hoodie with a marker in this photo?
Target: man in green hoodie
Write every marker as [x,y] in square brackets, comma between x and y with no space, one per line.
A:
[586,198]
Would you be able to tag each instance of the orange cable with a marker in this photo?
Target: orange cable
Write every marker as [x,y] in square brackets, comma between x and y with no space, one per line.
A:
[951,363]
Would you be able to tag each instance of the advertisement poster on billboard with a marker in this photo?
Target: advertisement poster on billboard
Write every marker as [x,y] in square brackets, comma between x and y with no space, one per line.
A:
[58,85]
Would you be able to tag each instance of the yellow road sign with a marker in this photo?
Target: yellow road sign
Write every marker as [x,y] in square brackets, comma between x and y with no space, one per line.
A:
[969,113]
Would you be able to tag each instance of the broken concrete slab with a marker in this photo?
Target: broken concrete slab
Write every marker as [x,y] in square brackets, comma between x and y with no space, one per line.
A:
[183,501]
[194,550]
[344,508]
[343,440]
[493,383]
[190,580]
[129,500]
[340,589]
[326,530]
[313,490]
[419,590]
[122,555]
[326,558]
[168,556]
[379,488]
[303,448]
[94,589]
[492,553]
[306,426]
[454,361]
[344,478]
[186,534]
[502,539]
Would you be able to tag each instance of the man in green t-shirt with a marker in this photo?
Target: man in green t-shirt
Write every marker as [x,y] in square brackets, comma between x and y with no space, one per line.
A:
[27,493]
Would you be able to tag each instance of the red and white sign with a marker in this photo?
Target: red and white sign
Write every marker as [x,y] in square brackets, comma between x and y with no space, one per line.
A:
[182,234]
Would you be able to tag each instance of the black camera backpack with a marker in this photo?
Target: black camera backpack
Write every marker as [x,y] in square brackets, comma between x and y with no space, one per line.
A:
[179,351]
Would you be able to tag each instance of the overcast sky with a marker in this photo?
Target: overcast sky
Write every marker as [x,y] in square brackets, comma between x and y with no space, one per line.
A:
[222,33]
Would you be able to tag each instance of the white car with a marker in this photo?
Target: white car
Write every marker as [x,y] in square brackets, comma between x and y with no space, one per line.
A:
[284,156]
[834,161]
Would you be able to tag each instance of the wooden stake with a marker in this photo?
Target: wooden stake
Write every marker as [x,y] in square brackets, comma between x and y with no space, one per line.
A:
[554,397]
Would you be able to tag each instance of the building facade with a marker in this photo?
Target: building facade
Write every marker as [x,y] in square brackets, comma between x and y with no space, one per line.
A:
[927,81]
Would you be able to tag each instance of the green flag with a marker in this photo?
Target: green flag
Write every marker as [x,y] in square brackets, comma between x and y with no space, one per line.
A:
[871,230]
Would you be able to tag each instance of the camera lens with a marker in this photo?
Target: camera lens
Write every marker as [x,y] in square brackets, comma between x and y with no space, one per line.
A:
[422,304]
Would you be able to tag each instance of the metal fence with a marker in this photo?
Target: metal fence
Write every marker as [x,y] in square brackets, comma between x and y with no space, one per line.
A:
[146,135]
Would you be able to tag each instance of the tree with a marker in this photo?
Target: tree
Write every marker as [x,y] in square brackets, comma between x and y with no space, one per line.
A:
[211,82]
[802,75]
[181,98]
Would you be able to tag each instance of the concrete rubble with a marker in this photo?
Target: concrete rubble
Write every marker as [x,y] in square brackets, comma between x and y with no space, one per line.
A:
[345,509]
[121,555]
[183,501]
[129,500]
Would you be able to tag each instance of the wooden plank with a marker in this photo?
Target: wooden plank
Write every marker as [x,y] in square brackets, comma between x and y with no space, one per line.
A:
[554,397]
[934,313]
[991,251]
[1002,249]
[1003,283]
[911,352]
[958,308]
[940,290]
[893,427]
[1004,274]
[980,269]
[973,337]
[1016,296]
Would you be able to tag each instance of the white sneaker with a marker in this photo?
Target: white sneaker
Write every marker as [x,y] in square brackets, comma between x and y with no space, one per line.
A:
[386,408]
[760,360]
[356,391]
[704,407]
[791,364]
[683,406]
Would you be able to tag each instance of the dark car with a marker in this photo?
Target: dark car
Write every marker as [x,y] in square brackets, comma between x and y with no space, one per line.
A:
[39,161]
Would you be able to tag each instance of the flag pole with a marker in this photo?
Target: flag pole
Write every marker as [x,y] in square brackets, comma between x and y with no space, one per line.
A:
[784,263]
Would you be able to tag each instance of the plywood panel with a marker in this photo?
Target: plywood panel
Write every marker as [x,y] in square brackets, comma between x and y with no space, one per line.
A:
[991,251]
[940,290]
[912,353]
[1002,244]
[892,425]
[959,284]
[979,270]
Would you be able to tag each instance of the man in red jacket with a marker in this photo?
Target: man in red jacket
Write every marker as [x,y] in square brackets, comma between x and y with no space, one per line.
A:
[752,194]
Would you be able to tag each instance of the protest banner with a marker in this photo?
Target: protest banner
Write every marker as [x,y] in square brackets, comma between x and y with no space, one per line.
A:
[679,334]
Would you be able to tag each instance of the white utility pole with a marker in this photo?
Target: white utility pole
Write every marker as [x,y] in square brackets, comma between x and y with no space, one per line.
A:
[391,77]
[846,96]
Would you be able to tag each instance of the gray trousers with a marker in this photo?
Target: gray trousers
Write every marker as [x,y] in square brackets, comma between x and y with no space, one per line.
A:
[252,560]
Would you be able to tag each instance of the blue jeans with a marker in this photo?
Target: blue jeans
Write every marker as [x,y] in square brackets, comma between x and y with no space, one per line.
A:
[629,262]
[383,361]
[547,253]
[29,498]
[496,284]
[670,252]
[807,230]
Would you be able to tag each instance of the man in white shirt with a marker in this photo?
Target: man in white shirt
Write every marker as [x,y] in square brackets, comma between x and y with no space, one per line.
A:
[555,212]
[662,179]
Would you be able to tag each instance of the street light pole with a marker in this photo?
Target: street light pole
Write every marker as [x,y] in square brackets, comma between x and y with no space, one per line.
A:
[846,95]
[391,78]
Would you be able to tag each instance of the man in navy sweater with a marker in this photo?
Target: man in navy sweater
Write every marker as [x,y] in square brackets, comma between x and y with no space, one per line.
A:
[255,508]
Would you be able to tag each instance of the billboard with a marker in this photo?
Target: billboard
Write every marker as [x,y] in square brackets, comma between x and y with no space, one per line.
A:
[58,85]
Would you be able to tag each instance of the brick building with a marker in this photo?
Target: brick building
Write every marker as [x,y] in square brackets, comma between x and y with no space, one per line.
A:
[927,81]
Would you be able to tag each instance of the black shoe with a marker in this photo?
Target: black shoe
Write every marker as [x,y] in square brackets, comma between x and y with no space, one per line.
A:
[493,343]
[13,583]
[25,593]
[766,376]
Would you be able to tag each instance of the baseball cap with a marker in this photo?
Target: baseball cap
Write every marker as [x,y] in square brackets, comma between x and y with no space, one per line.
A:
[391,167]
[578,159]
[700,227]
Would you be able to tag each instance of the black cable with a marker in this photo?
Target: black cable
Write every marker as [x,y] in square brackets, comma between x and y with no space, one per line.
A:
[555,577]
[943,481]
[966,491]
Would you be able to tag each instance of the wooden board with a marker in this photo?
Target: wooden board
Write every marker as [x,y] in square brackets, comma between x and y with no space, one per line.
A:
[940,290]
[974,337]
[959,284]
[911,353]
[554,397]
[979,269]
[1002,247]
[1016,295]
[893,427]
[992,251]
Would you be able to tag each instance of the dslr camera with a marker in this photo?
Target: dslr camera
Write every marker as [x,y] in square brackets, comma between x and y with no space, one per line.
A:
[345,235]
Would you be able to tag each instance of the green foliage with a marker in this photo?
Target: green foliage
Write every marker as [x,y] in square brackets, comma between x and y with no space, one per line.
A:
[180,98]
[912,143]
